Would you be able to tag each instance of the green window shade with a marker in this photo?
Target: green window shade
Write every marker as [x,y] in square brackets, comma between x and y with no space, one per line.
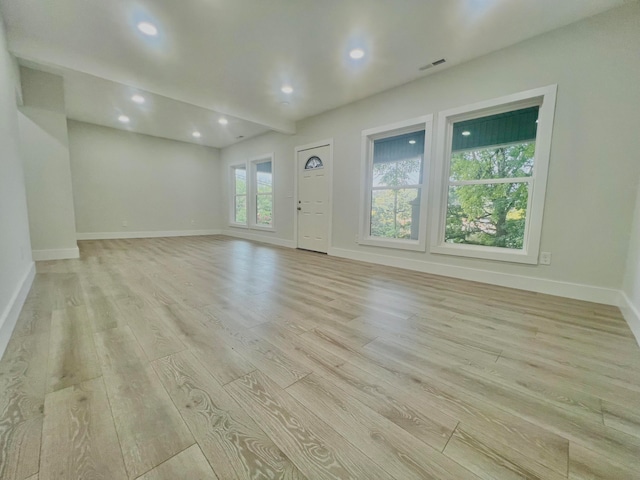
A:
[510,127]
[393,149]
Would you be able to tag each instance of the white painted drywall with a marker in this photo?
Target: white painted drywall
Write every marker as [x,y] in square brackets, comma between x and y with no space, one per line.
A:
[15,249]
[593,169]
[44,148]
[152,184]
[282,148]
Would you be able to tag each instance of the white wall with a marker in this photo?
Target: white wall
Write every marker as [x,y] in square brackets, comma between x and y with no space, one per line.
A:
[594,165]
[16,266]
[282,147]
[153,184]
[44,148]
[630,304]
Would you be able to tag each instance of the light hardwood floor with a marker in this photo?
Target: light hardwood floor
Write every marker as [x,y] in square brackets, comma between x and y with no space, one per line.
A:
[212,357]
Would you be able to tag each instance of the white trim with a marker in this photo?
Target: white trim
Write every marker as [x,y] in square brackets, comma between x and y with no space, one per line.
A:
[487,253]
[55,254]
[11,312]
[257,237]
[492,181]
[630,314]
[396,243]
[607,296]
[535,209]
[165,233]
[366,165]
[263,228]
[252,191]
[232,194]
[496,105]
[329,168]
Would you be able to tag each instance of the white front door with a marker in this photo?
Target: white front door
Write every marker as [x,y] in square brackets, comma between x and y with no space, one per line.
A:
[313,199]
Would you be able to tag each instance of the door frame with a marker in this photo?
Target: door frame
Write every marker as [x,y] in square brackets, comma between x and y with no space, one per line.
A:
[329,169]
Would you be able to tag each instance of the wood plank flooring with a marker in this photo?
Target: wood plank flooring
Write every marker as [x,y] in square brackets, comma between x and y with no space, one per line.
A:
[213,357]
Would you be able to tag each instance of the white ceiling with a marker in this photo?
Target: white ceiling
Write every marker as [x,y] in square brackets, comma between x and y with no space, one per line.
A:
[231,57]
[96,100]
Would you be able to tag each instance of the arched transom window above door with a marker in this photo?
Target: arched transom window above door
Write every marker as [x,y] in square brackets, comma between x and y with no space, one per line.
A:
[313,163]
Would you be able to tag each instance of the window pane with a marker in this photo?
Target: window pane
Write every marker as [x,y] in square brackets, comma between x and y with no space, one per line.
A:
[264,177]
[264,209]
[241,209]
[241,180]
[516,126]
[509,161]
[492,215]
[397,160]
[395,213]
[396,174]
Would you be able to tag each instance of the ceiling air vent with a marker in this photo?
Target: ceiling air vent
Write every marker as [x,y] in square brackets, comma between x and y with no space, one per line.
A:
[431,65]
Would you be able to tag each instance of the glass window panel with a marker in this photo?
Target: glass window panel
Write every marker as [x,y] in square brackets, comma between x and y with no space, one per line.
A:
[264,209]
[264,177]
[241,209]
[398,147]
[492,215]
[407,171]
[510,161]
[241,180]
[395,213]
[264,167]
[516,126]
[398,160]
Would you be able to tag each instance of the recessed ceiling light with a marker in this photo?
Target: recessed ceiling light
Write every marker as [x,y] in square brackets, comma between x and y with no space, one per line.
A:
[412,142]
[356,53]
[287,89]
[148,29]
[139,99]
[196,134]
[123,119]
[466,133]
[223,121]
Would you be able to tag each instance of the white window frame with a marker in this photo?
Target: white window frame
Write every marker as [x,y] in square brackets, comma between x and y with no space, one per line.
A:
[368,137]
[545,97]
[253,192]
[233,195]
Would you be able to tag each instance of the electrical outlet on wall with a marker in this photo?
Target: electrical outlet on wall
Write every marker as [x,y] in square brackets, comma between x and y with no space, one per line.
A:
[545,258]
[356,238]
[193,221]
[125,223]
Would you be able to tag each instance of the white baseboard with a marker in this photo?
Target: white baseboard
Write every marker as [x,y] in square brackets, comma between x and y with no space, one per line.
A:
[55,254]
[607,296]
[631,315]
[12,310]
[259,237]
[155,234]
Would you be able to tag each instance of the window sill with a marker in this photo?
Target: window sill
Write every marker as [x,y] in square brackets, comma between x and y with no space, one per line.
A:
[238,225]
[262,228]
[414,245]
[486,253]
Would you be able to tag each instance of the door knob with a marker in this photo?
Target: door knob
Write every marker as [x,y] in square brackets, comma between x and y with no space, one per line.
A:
[299,208]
